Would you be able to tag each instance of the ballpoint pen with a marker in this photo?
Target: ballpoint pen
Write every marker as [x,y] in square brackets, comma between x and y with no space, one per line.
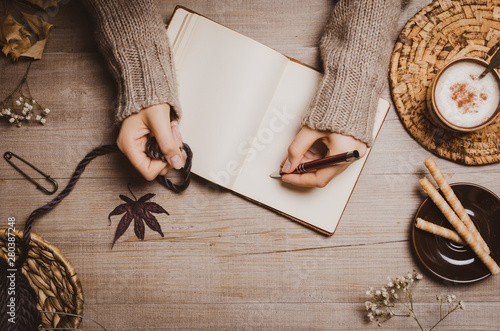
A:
[320,163]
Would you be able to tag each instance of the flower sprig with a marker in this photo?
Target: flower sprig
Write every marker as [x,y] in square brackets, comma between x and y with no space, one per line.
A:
[396,299]
[19,106]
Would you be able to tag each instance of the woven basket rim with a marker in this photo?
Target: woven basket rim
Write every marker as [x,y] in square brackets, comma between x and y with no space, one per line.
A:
[414,119]
[72,276]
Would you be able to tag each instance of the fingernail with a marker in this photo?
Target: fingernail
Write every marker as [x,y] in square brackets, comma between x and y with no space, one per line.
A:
[177,132]
[176,161]
[286,166]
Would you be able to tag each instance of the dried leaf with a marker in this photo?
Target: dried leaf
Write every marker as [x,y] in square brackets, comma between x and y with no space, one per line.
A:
[36,50]
[141,212]
[13,37]
[119,210]
[38,25]
[44,4]
[122,227]
[152,222]
[156,208]
[139,228]
[146,197]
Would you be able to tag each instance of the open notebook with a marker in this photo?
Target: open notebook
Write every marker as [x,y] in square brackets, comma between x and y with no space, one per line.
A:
[242,104]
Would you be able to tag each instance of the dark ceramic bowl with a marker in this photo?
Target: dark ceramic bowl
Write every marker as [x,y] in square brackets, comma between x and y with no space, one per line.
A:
[450,261]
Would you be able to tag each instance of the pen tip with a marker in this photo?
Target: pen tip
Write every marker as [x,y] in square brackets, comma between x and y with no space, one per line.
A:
[275,174]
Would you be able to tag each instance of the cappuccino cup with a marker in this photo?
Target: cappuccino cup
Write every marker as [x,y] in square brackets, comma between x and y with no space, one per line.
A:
[459,100]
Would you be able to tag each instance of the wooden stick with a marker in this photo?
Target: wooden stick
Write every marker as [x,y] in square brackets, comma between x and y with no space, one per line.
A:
[459,226]
[453,201]
[439,231]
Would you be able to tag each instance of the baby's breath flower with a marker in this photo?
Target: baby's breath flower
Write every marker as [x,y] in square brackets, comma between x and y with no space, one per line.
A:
[28,117]
[38,118]
[43,120]
[46,111]
[397,295]
[18,103]
[12,120]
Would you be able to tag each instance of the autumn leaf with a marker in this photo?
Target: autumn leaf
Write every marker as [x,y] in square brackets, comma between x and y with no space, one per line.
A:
[13,36]
[140,211]
[25,33]
[38,25]
[44,4]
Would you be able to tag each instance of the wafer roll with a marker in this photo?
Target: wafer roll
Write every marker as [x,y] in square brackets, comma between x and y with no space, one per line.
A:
[459,226]
[453,201]
[439,230]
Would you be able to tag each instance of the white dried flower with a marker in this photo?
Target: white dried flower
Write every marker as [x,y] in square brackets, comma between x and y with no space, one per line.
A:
[38,117]
[12,120]
[33,100]
[46,111]
[419,276]
[28,117]
[461,304]
[43,120]
[18,103]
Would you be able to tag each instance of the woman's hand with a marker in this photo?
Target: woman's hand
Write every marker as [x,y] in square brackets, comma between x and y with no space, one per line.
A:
[298,152]
[136,130]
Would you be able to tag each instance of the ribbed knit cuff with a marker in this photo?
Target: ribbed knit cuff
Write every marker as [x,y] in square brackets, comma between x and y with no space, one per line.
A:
[133,39]
[345,103]
[355,49]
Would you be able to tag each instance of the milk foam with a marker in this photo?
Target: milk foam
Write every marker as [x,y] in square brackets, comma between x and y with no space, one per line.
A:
[462,98]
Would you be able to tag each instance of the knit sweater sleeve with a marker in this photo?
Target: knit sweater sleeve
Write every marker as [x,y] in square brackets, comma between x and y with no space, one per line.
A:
[133,39]
[355,49]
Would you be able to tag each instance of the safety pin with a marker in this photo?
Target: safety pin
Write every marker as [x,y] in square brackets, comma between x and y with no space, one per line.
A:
[9,155]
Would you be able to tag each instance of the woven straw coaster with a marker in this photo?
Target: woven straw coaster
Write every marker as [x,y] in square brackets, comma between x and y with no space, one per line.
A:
[441,32]
[53,278]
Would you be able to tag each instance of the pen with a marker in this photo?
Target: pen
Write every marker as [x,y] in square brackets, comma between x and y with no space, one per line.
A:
[320,163]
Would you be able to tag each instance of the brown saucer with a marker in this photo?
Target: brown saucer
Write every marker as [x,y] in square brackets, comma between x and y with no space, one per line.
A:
[454,262]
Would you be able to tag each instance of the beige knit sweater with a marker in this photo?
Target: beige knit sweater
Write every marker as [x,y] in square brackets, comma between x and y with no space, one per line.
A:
[355,49]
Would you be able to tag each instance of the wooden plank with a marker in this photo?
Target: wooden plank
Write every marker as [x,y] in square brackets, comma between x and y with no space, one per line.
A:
[224,262]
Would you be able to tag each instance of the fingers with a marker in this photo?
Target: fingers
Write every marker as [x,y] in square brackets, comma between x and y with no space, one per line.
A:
[298,148]
[298,152]
[168,138]
[320,178]
[174,125]
[132,142]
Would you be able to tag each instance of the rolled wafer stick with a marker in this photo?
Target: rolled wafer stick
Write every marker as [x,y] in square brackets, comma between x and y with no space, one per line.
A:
[453,201]
[459,226]
[439,230]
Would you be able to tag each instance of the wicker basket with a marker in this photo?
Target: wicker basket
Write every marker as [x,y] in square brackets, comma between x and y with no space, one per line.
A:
[54,280]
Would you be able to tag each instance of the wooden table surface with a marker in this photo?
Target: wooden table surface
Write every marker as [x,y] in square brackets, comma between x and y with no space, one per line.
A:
[224,263]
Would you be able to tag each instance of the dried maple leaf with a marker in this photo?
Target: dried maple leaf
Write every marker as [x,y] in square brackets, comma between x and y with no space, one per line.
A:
[13,37]
[44,4]
[141,212]
[23,29]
